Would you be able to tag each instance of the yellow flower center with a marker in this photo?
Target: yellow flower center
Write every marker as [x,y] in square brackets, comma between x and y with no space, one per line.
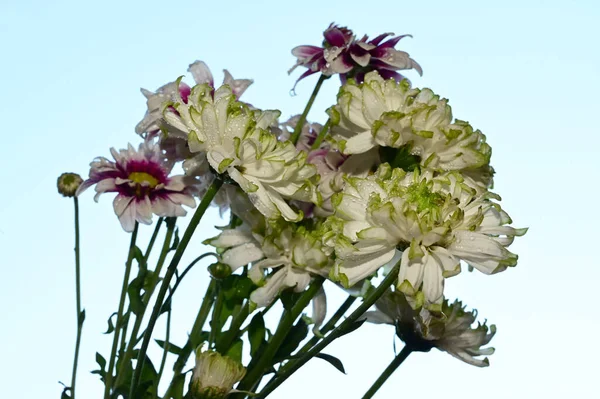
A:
[143,177]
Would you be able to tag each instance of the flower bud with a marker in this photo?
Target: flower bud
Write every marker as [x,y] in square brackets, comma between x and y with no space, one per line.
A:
[68,183]
[219,270]
[214,375]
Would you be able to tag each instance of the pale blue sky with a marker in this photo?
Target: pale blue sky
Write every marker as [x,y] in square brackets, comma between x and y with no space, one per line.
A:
[524,72]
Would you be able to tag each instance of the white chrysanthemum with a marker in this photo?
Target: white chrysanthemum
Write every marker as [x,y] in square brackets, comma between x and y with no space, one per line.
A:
[435,221]
[237,141]
[295,253]
[385,113]
[451,330]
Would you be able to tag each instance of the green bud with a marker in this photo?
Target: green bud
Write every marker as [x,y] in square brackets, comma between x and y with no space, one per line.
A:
[219,270]
[68,183]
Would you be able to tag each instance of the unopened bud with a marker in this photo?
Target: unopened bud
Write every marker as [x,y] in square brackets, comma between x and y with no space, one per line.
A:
[68,183]
[214,375]
[219,270]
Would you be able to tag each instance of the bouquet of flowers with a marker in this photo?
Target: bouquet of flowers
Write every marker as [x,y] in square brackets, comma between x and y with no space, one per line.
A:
[385,200]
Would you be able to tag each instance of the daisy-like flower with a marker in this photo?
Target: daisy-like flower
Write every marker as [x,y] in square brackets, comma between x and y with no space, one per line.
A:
[150,124]
[435,221]
[343,54]
[214,375]
[293,252]
[142,183]
[407,126]
[238,141]
[450,330]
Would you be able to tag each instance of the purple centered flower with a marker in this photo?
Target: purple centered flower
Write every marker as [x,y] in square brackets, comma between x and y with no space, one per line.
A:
[142,183]
[343,54]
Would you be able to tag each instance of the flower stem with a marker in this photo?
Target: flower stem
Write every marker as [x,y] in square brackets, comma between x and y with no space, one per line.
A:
[388,372]
[145,300]
[113,352]
[330,324]
[287,321]
[215,322]
[187,349]
[128,312]
[321,135]
[225,341]
[80,314]
[187,236]
[336,333]
[165,352]
[300,124]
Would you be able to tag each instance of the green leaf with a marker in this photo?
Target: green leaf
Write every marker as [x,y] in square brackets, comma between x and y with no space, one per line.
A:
[138,255]
[334,361]
[296,335]
[235,352]
[177,387]
[354,326]
[199,339]
[175,240]
[102,363]
[170,348]
[111,326]
[256,333]
[134,291]
[289,298]
[66,393]
[81,317]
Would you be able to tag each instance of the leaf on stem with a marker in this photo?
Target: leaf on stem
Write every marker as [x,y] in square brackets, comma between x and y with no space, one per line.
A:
[111,326]
[174,349]
[334,361]
[296,335]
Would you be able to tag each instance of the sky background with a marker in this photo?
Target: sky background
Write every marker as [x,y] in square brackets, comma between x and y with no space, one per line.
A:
[524,72]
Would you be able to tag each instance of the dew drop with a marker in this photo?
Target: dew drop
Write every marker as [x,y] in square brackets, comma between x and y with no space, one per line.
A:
[472,238]
[293,93]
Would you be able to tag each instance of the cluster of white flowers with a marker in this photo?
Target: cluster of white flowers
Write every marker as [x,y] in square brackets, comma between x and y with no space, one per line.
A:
[391,177]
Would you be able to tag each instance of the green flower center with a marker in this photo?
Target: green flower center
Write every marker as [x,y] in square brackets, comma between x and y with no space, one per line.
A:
[143,177]
[421,195]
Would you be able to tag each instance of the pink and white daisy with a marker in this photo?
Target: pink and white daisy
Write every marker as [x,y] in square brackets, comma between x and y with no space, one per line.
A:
[142,183]
[341,53]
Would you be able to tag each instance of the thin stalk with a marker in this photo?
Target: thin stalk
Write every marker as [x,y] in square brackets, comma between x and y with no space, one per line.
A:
[80,315]
[113,352]
[388,372]
[133,338]
[300,124]
[187,349]
[128,312]
[321,135]
[225,341]
[330,324]
[257,371]
[187,236]
[165,352]
[215,322]
[337,332]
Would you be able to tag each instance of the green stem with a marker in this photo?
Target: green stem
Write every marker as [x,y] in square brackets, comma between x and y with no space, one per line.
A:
[321,135]
[337,332]
[300,124]
[145,300]
[165,352]
[187,349]
[113,352]
[285,324]
[128,312]
[187,236]
[215,322]
[388,372]
[225,341]
[80,315]
[329,325]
